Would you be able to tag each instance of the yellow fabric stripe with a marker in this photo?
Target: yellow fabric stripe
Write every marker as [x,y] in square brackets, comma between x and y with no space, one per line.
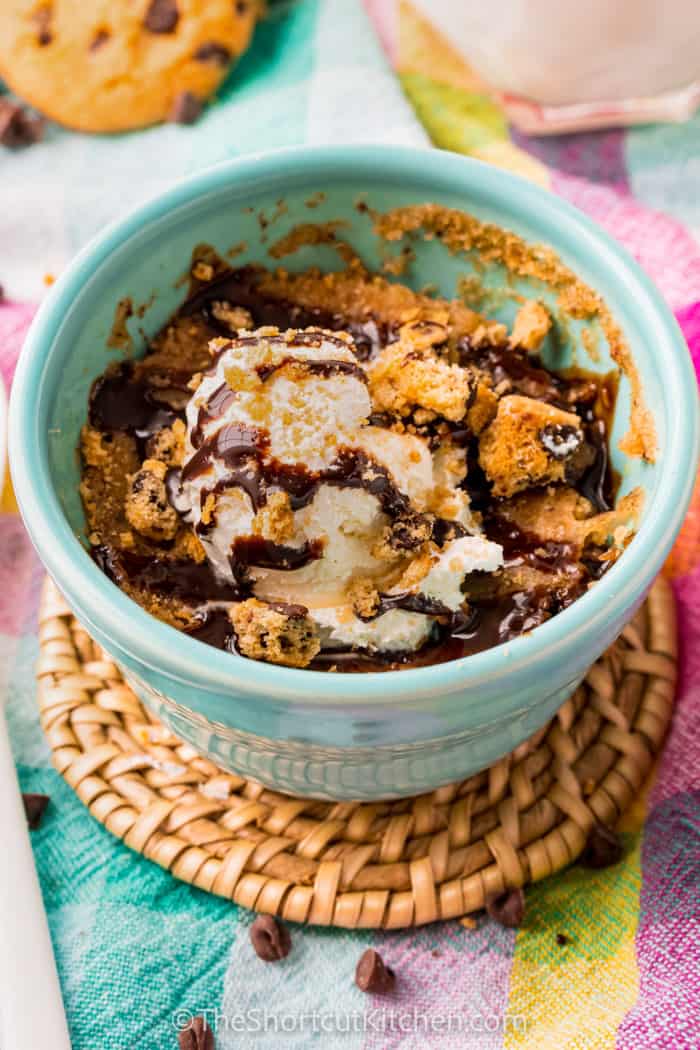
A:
[576,995]
[8,503]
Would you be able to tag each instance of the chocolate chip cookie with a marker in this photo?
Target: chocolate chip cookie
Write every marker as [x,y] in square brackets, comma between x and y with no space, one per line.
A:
[112,65]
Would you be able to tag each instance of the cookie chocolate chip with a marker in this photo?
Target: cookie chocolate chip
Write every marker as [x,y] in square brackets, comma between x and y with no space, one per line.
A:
[372,975]
[42,20]
[101,37]
[185,109]
[161,17]
[18,127]
[270,938]
[213,52]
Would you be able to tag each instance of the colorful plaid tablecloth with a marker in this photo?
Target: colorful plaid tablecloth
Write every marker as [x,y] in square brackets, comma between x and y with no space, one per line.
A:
[139,952]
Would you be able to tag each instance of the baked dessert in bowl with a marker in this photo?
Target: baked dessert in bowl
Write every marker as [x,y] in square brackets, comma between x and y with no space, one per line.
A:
[408,486]
[378,425]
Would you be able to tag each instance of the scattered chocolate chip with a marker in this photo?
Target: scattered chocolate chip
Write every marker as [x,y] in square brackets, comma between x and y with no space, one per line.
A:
[42,20]
[562,939]
[197,1036]
[18,126]
[101,37]
[162,16]
[603,848]
[213,52]
[2,294]
[270,938]
[435,953]
[185,109]
[507,908]
[241,7]
[34,806]
[371,974]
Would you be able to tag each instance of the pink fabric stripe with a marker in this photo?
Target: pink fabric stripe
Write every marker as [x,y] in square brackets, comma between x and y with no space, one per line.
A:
[595,155]
[456,981]
[384,16]
[14,322]
[665,249]
[666,1015]
[18,568]
[688,318]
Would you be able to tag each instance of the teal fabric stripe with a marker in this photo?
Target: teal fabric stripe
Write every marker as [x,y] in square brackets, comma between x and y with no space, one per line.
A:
[663,161]
[307,1000]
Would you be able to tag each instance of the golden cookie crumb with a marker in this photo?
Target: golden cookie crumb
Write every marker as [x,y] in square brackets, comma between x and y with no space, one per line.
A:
[168,445]
[147,507]
[528,443]
[364,597]
[406,377]
[189,545]
[423,334]
[556,513]
[235,317]
[483,408]
[202,271]
[417,569]
[207,515]
[405,534]
[275,521]
[532,322]
[274,634]
[96,451]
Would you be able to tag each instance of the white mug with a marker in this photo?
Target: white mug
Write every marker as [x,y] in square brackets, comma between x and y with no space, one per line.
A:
[563,53]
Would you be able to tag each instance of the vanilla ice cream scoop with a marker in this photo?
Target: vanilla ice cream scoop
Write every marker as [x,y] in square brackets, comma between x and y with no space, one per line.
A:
[291,490]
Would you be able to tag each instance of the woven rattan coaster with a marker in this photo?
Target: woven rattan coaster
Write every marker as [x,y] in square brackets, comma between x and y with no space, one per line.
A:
[390,864]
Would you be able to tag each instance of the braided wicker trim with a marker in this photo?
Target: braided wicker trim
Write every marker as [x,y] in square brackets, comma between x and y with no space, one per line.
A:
[391,864]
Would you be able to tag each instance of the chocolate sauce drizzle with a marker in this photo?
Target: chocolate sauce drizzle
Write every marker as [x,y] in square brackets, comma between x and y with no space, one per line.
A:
[410,602]
[525,375]
[214,628]
[213,409]
[244,452]
[263,554]
[120,402]
[520,546]
[239,287]
[325,369]
[168,577]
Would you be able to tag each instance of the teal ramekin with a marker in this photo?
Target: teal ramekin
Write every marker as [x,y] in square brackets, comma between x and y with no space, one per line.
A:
[327,735]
